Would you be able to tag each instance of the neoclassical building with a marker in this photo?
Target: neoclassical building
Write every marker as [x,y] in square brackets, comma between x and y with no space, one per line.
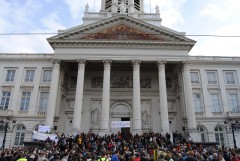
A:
[121,64]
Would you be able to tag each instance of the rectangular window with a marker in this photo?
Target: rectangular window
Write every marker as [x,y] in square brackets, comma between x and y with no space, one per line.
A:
[194,77]
[29,75]
[197,102]
[219,138]
[5,100]
[25,101]
[10,75]
[233,102]
[212,77]
[215,102]
[202,137]
[230,77]
[43,102]
[19,138]
[47,75]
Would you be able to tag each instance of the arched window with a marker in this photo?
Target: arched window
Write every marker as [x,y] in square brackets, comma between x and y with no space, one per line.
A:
[20,134]
[202,130]
[219,135]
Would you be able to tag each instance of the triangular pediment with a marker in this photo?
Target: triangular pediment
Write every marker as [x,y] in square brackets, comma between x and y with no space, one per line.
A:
[120,29]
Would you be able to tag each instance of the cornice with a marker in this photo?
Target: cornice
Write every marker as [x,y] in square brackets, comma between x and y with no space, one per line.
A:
[129,44]
[220,62]
[26,59]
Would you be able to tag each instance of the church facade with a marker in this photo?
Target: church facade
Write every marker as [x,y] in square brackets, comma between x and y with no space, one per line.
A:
[121,64]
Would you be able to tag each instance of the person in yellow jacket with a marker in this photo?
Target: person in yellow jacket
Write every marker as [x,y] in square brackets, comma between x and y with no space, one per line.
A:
[22,158]
[103,156]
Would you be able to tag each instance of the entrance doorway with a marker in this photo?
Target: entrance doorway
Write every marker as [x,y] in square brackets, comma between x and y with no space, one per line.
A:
[121,111]
[125,130]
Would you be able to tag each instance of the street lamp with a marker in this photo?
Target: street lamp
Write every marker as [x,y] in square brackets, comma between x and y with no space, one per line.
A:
[5,126]
[235,126]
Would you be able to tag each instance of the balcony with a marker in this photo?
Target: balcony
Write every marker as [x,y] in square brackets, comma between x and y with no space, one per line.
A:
[22,113]
[6,112]
[233,113]
[41,113]
[109,14]
[217,114]
[91,17]
[199,114]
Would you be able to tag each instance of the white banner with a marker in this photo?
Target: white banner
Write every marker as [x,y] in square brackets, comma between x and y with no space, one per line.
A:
[120,124]
[41,136]
[42,128]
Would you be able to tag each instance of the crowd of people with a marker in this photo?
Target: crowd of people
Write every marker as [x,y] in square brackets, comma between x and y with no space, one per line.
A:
[119,147]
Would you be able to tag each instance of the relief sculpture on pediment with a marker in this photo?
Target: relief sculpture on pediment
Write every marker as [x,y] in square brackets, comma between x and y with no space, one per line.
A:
[121,32]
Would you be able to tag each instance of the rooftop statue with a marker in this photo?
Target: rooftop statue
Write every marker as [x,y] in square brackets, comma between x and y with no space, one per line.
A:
[122,7]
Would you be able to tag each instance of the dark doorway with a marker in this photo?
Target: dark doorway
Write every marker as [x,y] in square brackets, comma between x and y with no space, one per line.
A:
[125,130]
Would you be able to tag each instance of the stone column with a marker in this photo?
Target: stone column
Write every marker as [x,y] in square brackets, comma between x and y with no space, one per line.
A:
[163,97]
[106,97]
[103,5]
[187,86]
[131,8]
[53,93]
[137,127]
[142,6]
[114,6]
[77,116]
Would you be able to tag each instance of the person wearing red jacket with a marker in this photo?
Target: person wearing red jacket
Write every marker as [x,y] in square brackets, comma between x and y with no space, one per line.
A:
[137,157]
[234,157]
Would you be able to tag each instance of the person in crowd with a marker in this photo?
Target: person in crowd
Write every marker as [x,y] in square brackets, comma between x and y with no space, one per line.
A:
[22,157]
[2,158]
[115,156]
[103,156]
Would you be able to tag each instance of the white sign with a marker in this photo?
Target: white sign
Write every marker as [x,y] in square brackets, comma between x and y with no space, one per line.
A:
[41,136]
[42,128]
[120,124]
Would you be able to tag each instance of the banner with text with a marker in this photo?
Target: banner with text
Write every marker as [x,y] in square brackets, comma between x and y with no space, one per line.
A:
[42,128]
[120,124]
[42,136]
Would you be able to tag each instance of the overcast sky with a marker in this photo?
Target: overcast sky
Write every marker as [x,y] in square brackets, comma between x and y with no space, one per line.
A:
[208,17]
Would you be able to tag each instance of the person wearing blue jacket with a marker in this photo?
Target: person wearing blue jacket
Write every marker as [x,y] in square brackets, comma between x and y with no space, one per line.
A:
[115,156]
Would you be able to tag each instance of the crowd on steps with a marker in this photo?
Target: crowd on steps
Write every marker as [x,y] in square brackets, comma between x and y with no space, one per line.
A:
[120,147]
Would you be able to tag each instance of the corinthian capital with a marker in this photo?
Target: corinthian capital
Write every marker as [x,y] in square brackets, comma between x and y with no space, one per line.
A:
[81,64]
[107,64]
[161,64]
[186,65]
[136,64]
[56,63]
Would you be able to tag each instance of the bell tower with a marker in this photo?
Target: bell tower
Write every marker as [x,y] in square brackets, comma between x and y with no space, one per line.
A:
[129,8]
[132,6]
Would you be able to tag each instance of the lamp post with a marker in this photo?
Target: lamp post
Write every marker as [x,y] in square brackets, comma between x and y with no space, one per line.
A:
[235,126]
[4,126]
